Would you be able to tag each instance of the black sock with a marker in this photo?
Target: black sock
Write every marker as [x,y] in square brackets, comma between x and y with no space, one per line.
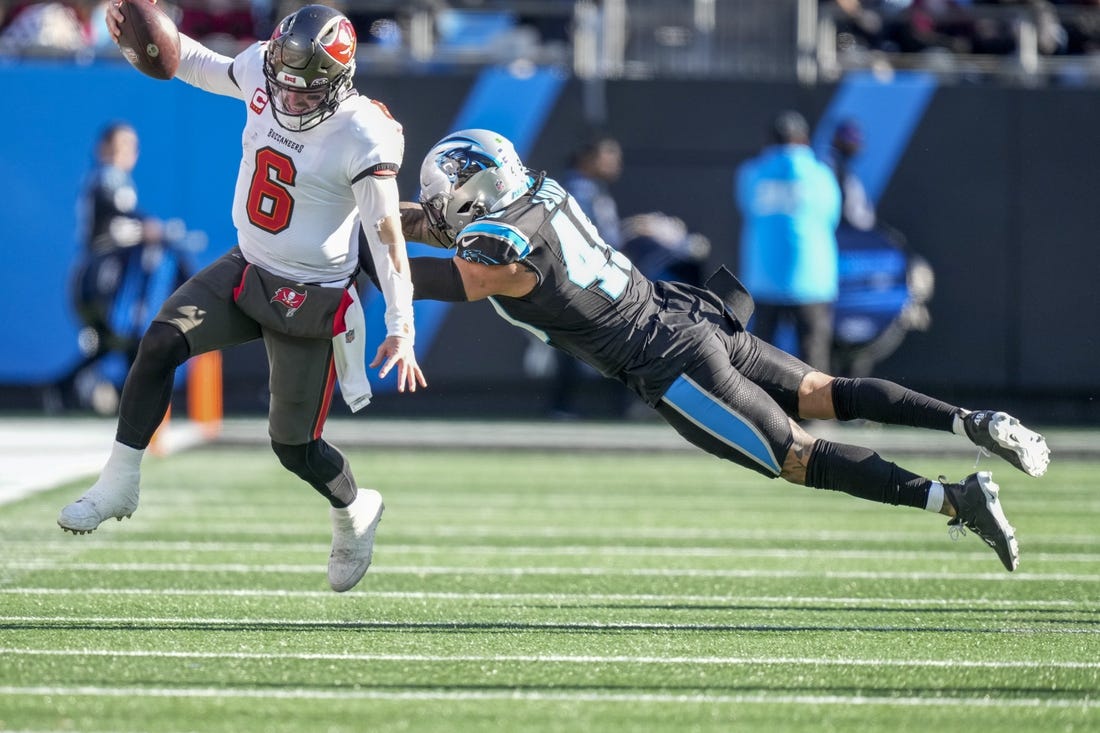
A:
[889,403]
[863,473]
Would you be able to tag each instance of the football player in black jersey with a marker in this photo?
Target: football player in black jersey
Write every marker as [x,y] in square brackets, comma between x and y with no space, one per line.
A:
[523,243]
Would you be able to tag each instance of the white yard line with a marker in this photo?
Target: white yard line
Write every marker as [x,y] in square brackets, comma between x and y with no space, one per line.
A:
[789,601]
[553,659]
[534,696]
[511,531]
[458,570]
[285,624]
[541,550]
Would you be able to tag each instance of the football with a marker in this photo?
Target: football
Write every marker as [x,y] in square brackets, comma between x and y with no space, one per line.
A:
[149,39]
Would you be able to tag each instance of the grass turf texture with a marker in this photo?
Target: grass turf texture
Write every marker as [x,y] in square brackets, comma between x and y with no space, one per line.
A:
[526,591]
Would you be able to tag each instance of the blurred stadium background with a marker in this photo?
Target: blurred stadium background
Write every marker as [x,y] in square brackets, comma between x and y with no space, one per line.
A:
[982,155]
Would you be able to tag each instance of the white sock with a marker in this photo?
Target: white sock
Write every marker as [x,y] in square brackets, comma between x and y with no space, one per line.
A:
[935,498]
[124,459]
[957,426]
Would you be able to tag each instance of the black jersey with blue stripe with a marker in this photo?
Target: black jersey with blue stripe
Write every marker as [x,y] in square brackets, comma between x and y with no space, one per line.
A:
[590,300]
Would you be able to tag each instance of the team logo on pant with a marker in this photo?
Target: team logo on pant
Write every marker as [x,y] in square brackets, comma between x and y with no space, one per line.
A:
[291,298]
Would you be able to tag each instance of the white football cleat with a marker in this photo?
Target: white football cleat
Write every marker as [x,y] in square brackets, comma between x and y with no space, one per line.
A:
[1001,434]
[116,497]
[353,530]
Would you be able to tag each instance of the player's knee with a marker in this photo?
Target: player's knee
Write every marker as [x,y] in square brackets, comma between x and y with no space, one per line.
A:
[163,345]
[316,461]
[295,458]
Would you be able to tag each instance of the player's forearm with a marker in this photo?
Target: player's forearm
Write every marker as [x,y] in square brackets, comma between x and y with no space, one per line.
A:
[415,227]
[392,268]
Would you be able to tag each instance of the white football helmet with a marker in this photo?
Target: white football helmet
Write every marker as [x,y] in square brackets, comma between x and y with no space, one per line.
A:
[466,175]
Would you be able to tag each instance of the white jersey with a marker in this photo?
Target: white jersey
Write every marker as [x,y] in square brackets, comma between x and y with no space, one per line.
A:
[301,195]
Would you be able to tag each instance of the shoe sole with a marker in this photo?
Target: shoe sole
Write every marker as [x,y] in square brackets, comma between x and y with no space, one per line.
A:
[992,491]
[1029,447]
[74,530]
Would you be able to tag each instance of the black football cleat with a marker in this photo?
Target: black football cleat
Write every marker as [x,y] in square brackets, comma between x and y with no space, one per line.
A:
[978,508]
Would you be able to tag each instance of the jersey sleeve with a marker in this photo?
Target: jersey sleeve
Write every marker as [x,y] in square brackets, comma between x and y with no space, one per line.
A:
[489,242]
[200,67]
[378,199]
[379,142]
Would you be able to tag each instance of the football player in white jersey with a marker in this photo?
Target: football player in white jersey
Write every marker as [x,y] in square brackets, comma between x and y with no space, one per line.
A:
[319,160]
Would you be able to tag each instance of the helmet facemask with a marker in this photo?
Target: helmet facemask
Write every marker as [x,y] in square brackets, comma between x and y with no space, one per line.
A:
[309,64]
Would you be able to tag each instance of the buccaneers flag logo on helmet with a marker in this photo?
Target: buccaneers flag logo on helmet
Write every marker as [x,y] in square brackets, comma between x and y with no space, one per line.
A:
[342,47]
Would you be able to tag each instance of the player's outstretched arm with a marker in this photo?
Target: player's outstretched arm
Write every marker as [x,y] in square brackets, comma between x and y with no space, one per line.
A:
[437,278]
[513,280]
[208,70]
[392,265]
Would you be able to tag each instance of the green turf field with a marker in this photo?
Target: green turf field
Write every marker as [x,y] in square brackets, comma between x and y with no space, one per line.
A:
[520,591]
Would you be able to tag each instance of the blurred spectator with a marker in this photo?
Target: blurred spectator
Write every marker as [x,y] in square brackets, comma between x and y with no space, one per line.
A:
[988,27]
[129,263]
[993,33]
[226,26]
[790,206]
[48,28]
[593,167]
[392,27]
[859,24]
[857,209]
[554,23]
[1052,35]
[882,287]
[662,248]
[933,24]
[1001,35]
[1082,25]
